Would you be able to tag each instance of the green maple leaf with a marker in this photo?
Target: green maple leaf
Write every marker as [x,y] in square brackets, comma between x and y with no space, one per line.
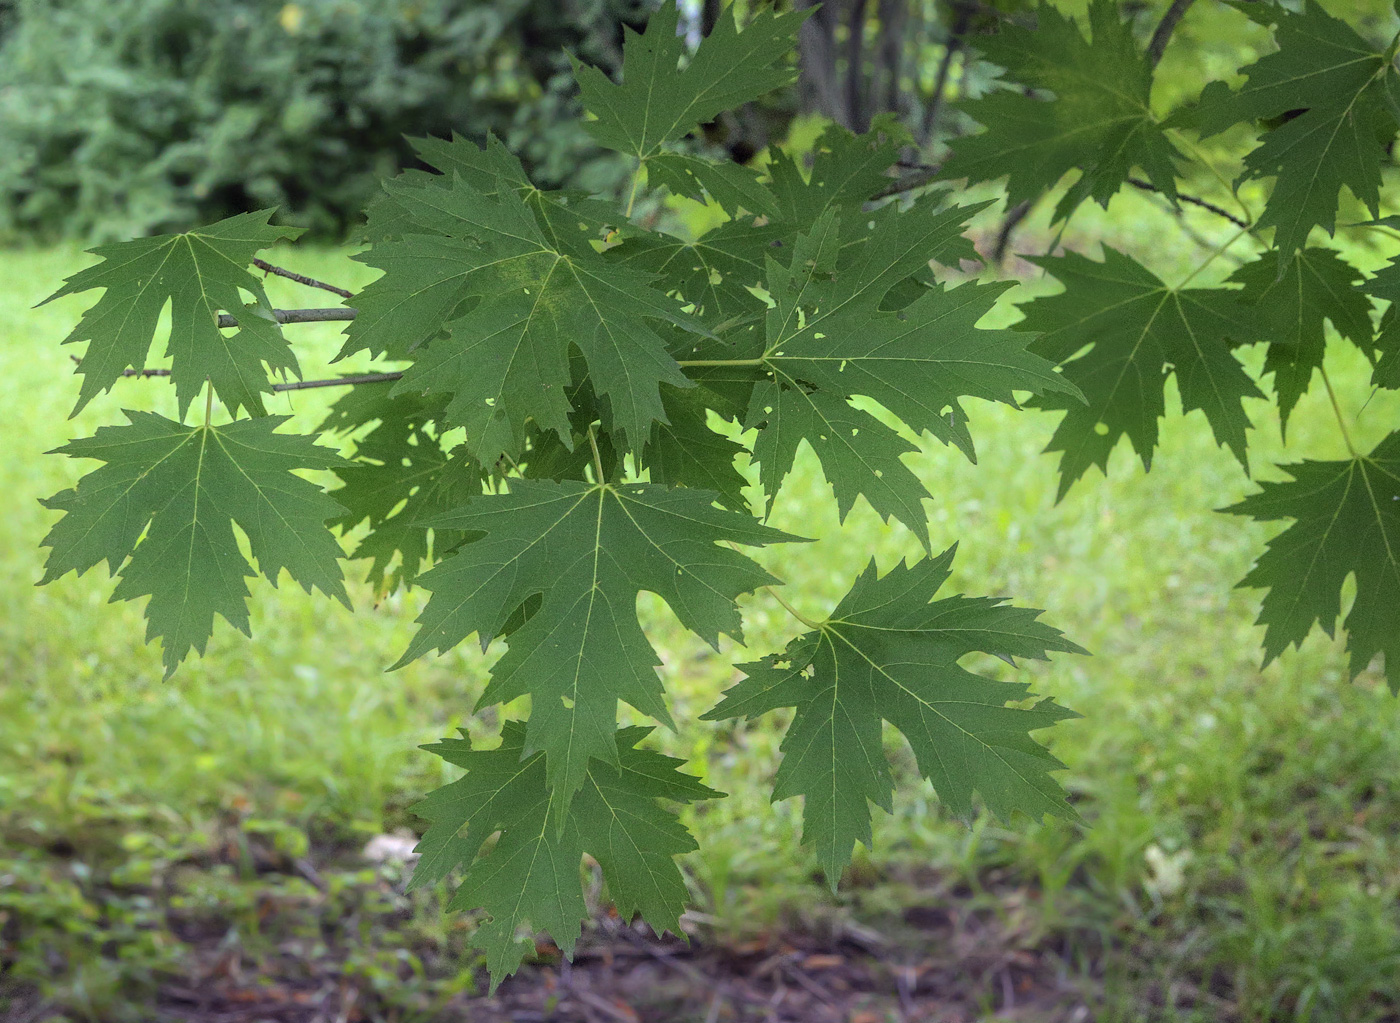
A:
[587,550]
[1141,332]
[658,104]
[713,272]
[199,275]
[829,338]
[1100,121]
[889,652]
[1289,307]
[499,305]
[161,514]
[1346,522]
[401,478]
[1344,97]
[733,186]
[531,875]
[847,171]
[686,452]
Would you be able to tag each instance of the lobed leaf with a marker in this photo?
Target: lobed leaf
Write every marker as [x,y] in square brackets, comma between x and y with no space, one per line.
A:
[161,513]
[890,652]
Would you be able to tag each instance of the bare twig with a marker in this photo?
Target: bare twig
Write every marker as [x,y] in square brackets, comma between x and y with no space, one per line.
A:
[291,275]
[916,179]
[1013,218]
[1165,28]
[294,385]
[951,49]
[857,119]
[1147,186]
[345,381]
[299,316]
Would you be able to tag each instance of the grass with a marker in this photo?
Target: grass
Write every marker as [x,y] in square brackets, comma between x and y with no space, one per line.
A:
[1239,857]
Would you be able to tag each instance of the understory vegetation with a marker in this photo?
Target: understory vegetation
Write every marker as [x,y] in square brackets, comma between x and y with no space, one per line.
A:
[1240,857]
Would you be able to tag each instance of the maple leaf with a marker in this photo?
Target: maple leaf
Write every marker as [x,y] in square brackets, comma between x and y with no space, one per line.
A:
[1342,98]
[890,652]
[1141,332]
[505,359]
[658,102]
[1100,121]
[1289,306]
[587,550]
[733,186]
[828,339]
[685,451]
[198,274]
[1346,522]
[400,479]
[161,514]
[531,875]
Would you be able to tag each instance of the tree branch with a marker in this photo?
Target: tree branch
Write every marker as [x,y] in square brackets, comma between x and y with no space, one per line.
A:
[310,282]
[940,85]
[920,175]
[1165,28]
[1147,186]
[299,316]
[346,381]
[1013,217]
[292,385]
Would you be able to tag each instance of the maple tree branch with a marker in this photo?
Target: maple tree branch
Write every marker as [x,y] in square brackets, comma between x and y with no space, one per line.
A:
[299,316]
[345,381]
[1165,28]
[292,275]
[925,174]
[951,49]
[292,385]
[1147,186]
[1013,217]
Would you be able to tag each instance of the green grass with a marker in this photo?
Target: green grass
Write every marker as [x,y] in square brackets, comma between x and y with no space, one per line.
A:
[1239,858]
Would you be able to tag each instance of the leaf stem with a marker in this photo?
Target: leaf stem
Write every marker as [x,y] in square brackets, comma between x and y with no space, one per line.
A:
[1337,411]
[636,180]
[687,363]
[1216,254]
[773,592]
[208,401]
[792,610]
[1215,172]
[597,458]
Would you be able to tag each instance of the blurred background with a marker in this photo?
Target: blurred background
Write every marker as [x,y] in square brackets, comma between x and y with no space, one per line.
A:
[231,845]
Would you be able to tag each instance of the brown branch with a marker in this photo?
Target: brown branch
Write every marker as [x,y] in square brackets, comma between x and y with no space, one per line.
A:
[310,282]
[346,381]
[1165,28]
[920,177]
[1147,186]
[856,117]
[299,316]
[1013,218]
[951,49]
[292,385]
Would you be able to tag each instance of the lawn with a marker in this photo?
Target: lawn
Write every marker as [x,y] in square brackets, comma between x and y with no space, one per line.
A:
[1239,859]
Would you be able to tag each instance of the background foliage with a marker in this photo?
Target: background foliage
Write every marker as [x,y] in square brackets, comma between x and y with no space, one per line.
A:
[137,116]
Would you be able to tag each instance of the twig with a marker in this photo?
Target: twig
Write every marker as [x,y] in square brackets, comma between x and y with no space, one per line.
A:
[294,385]
[940,85]
[1165,28]
[346,381]
[292,275]
[1148,186]
[918,179]
[299,316]
[1013,217]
